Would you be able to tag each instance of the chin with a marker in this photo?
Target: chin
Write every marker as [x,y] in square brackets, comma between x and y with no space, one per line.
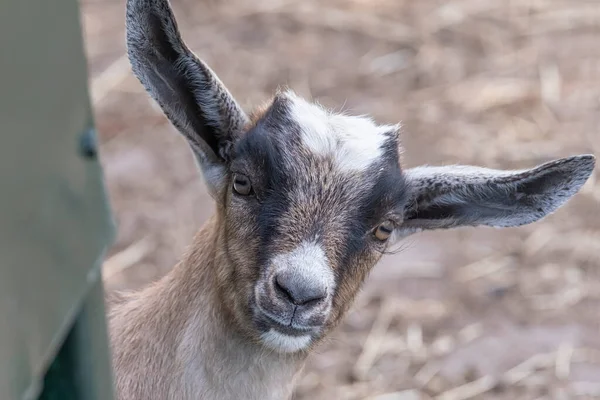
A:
[285,343]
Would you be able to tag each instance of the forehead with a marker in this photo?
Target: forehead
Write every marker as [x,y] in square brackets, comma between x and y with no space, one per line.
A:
[352,143]
[299,130]
[317,161]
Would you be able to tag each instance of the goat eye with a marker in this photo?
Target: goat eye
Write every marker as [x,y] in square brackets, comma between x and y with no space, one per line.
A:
[242,185]
[384,230]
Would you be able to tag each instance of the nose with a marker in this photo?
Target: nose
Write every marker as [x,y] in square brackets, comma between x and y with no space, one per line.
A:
[299,289]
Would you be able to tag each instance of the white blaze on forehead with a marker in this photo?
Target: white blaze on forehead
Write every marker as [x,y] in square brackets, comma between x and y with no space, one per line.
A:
[309,262]
[284,343]
[353,142]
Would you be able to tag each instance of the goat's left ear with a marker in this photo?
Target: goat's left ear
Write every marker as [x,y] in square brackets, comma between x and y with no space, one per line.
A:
[453,196]
[189,93]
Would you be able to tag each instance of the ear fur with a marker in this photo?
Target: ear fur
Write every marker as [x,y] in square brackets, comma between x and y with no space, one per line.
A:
[453,196]
[187,90]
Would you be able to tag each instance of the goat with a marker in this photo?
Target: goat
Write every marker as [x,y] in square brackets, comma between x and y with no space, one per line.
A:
[307,202]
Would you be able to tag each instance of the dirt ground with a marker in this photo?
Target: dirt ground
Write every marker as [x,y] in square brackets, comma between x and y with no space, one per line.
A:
[471,313]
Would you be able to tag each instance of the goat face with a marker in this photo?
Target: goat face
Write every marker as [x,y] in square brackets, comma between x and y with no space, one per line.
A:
[308,200]
[312,200]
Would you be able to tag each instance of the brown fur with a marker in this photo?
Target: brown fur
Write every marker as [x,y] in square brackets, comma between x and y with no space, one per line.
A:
[258,113]
[176,339]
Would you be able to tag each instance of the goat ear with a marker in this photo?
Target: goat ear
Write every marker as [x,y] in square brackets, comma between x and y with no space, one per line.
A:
[189,93]
[453,196]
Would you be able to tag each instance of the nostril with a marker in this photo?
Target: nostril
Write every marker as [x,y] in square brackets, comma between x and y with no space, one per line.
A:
[299,291]
[281,288]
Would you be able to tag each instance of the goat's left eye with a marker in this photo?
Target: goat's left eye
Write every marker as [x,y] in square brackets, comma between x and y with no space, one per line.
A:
[241,184]
[384,230]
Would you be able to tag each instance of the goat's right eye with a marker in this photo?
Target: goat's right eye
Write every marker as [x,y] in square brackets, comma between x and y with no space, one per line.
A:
[241,184]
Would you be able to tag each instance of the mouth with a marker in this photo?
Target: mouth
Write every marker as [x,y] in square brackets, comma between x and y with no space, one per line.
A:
[281,337]
[267,320]
[290,329]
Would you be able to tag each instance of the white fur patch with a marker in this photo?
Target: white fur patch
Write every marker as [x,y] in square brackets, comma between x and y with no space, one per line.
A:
[284,343]
[308,262]
[353,142]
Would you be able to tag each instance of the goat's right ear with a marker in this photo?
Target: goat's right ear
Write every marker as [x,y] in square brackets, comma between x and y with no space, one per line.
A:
[189,93]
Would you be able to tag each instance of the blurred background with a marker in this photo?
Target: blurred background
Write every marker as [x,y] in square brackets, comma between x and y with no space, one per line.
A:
[470,313]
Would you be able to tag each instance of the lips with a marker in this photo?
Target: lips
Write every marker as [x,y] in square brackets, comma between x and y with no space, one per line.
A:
[269,321]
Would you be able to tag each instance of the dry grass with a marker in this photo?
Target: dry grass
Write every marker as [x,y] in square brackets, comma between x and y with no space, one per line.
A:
[470,314]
